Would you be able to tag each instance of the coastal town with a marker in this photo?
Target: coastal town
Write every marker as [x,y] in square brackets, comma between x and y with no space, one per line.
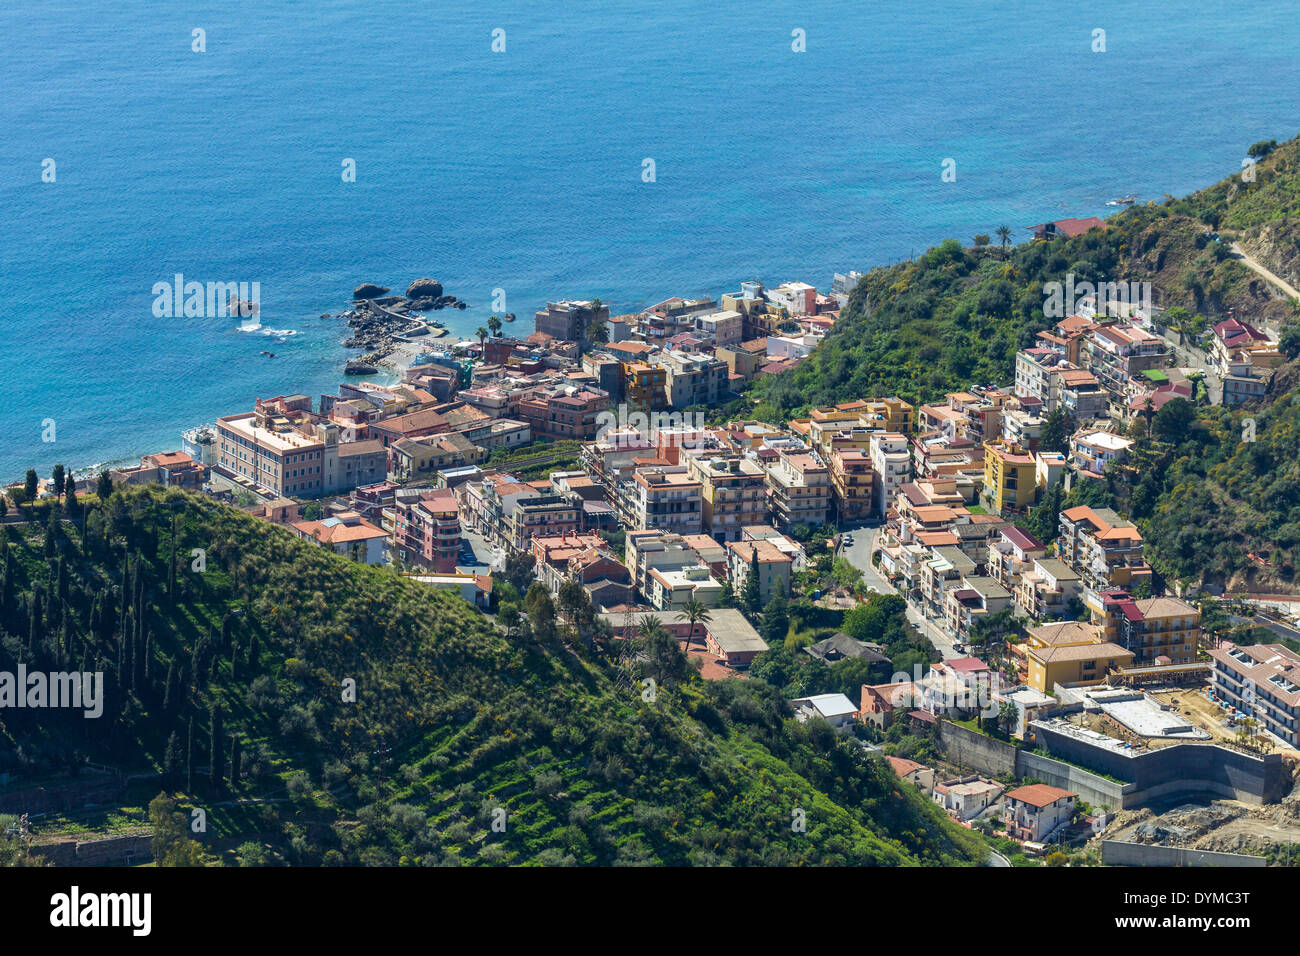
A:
[1064,692]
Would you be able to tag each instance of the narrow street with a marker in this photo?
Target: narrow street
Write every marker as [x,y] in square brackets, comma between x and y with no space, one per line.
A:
[859,555]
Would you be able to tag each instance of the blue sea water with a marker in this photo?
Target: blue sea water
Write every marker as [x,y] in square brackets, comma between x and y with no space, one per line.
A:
[522,170]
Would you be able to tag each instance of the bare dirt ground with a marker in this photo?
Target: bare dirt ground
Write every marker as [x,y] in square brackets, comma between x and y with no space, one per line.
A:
[1200,710]
[1226,826]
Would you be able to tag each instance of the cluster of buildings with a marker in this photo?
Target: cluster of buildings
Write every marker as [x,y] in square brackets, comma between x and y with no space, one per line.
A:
[661,514]
[665,511]
[1034,814]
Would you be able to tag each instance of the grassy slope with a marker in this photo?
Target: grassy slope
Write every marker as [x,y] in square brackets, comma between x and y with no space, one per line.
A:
[452,721]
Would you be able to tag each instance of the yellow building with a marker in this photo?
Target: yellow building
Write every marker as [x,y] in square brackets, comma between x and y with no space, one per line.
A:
[850,424]
[853,483]
[1152,628]
[646,386]
[1068,652]
[1010,482]
[733,494]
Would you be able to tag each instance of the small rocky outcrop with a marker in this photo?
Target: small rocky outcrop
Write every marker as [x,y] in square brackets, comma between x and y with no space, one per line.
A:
[368,290]
[424,288]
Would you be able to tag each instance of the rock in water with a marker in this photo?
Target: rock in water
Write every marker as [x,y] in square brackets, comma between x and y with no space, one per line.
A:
[422,288]
[355,367]
[368,290]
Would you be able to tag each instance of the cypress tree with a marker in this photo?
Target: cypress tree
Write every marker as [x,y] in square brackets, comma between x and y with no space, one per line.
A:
[7,584]
[172,692]
[217,770]
[49,546]
[252,654]
[235,754]
[171,569]
[124,651]
[172,759]
[751,594]
[146,658]
[189,761]
[35,623]
[201,664]
[65,638]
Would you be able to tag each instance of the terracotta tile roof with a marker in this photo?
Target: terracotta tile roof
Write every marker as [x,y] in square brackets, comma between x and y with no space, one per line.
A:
[1039,795]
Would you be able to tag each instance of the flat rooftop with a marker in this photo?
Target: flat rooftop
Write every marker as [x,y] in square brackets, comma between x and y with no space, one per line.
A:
[1144,716]
[1066,729]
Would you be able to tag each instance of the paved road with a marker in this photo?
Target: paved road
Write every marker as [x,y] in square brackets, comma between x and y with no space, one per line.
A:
[483,554]
[859,555]
[1278,628]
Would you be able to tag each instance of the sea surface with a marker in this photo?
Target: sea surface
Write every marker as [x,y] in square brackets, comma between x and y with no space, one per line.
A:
[523,170]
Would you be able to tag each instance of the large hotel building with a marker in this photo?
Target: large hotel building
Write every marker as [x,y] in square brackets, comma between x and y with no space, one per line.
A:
[299,458]
[1263,681]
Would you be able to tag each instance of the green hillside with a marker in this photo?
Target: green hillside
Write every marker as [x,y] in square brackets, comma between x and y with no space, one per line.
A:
[452,723]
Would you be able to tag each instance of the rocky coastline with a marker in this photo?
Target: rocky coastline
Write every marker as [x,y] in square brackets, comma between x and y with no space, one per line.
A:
[382,324]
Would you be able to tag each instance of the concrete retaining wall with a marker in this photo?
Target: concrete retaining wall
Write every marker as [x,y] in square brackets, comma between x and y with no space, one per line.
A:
[1119,853]
[966,748]
[1167,774]
[1181,770]
[1091,788]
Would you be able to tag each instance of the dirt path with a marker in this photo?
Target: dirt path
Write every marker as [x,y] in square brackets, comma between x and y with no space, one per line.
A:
[1275,280]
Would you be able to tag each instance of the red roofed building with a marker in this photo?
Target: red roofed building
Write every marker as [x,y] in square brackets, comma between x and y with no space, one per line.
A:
[1035,812]
[347,534]
[965,669]
[427,531]
[1066,227]
[912,772]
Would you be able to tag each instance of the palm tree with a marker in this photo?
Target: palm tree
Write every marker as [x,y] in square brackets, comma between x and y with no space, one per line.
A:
[1148,411]
[1008,714]
[1004,234]
[482,334]
[494,324]
[695,613]
[648,626]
